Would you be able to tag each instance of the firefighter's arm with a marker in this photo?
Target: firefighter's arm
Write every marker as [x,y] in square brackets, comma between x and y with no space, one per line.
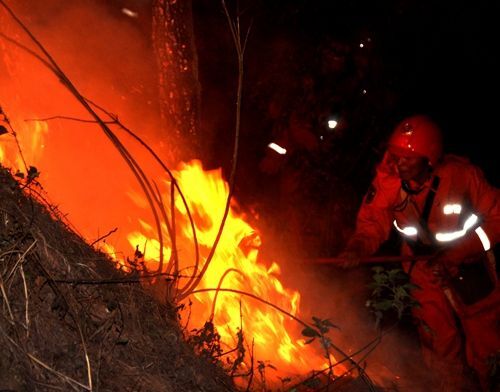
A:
[483,236]
[485,199]
[373,223]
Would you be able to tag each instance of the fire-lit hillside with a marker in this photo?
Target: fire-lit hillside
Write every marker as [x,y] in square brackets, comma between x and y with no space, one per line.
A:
[150,274]
[147,219]
[70,321]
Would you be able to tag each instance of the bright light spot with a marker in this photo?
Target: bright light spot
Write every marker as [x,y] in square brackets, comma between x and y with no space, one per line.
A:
[280,150]
[361,45]
[449,209]
[332,124]
[130,13]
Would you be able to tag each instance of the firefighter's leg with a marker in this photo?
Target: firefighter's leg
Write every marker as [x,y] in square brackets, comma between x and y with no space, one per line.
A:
[440,337]
[482,335]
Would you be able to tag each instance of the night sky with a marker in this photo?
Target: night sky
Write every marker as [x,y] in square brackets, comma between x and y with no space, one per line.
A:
[437,58]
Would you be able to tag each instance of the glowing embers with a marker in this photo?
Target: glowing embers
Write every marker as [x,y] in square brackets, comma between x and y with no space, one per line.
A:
[130,13]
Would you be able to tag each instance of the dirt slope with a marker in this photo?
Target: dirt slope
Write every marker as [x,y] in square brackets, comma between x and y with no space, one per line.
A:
[67,324]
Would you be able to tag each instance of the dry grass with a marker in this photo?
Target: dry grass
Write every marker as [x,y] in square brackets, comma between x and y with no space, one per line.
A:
[97,337]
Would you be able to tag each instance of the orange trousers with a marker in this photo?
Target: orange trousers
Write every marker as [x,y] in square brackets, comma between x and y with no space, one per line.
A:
[453,336]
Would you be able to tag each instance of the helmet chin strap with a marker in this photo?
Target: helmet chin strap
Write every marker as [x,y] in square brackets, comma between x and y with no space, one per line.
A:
[418,186]
[409,190]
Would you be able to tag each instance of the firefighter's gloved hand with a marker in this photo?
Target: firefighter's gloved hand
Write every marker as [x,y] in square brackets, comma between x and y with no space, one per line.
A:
[350,259]
[442,269]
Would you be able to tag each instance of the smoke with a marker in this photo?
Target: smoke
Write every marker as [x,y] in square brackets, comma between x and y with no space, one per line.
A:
[107,55]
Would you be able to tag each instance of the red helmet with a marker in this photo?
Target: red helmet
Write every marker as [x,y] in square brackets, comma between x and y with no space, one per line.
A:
[417,136]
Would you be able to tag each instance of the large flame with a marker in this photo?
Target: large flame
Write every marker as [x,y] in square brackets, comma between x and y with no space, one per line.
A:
[235,268]
[86,177]
[271,335]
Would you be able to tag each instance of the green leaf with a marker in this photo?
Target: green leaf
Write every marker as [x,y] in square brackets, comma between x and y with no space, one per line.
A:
[410,286]
[379,278]
[383,305]
[328,323]
[310,332]
[391,274]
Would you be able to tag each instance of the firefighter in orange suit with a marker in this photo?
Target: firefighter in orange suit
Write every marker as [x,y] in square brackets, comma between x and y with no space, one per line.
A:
[443,207]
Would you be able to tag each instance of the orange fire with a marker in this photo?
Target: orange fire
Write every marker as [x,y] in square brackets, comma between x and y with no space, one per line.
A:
[276,339]
[237,254]
[87,179]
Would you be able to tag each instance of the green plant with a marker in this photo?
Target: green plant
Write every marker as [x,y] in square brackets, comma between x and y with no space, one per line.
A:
[391,294]
[319,329]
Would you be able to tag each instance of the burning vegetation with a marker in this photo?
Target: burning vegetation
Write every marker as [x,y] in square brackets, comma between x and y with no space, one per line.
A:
[174,296]
[71,321]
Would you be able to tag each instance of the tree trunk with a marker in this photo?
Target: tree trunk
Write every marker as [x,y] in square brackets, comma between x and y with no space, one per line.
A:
[180,91]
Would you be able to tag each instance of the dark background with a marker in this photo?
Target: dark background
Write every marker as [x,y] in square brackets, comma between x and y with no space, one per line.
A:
[430,57]
[434,57]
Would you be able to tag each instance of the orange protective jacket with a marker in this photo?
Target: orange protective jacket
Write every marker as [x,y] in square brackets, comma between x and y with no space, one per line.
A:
[463,220]
[387,206]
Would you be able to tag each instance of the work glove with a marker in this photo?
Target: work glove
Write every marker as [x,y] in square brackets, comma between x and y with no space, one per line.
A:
[441,273]
[351,258]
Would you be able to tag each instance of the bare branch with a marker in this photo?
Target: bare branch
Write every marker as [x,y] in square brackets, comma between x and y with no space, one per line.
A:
[104,236]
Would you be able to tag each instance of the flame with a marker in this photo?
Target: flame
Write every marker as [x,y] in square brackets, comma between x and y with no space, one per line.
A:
[30,136]
[235,266]
[70,158]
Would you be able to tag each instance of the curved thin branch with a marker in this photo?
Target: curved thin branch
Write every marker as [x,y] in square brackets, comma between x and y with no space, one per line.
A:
[131,162]
[303,323]
[214,302]
[167,170]
[68,118]
[25,48]
[235,32]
